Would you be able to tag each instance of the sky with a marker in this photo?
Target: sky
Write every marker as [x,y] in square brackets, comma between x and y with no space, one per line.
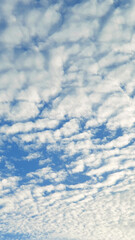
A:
[67,119]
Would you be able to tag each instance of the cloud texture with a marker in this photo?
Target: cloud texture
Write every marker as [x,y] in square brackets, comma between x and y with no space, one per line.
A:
[67,120]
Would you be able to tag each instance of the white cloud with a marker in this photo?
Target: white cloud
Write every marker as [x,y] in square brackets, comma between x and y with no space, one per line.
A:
[68,129]
[23,111]
[39,22]
[13,35]
[67,99]
[8,184]
[40,124]
[91,9]
[113,212]
[48,173]
[77,166]
[28,61]
[32,156]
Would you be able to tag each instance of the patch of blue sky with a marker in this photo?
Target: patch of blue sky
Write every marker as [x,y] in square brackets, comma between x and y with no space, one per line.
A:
[14,154]
[132,95]
[3,25]
[16,236]
[21,8]
[19,50]
[72,3]
[77,178]
[55,156]
[121,3]
[103,133]
[4,121]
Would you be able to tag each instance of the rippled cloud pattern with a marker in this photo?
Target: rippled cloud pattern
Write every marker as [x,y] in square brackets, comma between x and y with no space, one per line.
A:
[67,120]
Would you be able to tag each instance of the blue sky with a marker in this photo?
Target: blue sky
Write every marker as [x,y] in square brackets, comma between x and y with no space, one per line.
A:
[67,120]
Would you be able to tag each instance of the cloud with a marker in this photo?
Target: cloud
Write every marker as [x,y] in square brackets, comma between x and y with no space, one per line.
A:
[32,206]
[67,120]
[9,184]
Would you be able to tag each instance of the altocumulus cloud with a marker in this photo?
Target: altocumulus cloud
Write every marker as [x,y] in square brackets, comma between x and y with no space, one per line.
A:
[67,120]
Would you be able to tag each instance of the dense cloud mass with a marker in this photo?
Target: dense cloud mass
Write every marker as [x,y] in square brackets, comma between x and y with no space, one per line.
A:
[67,120]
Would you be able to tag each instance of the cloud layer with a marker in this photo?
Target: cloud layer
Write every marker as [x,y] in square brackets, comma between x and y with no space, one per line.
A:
[67,120]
